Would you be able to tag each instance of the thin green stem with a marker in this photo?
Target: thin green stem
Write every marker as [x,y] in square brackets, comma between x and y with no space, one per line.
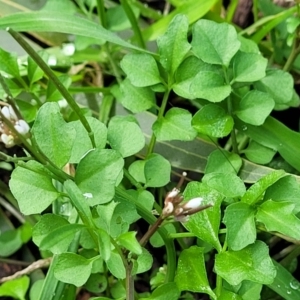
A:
[293,55]
[159,116]
[229,109]
[151,231]
[148,217]
[134,24]
[105,108]
[10,98]
[255,10]
[101,12]
[290,257]
[56,82]
[181,235]
[12,210]
[132,180]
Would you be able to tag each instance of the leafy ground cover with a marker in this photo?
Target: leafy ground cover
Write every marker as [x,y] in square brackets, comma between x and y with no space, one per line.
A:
[145,152]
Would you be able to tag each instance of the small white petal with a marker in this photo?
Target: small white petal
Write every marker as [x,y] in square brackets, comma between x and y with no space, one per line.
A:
[8,140]
[22,127]
[168,209]
[13,115]
[173,193]
[193,203]
[5,112]
[88,195]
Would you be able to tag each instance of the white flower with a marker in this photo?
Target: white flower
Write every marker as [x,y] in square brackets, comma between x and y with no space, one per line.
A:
[168,209]
[7,139]
[193,203]
[9,113]
[173,193]
[22,127]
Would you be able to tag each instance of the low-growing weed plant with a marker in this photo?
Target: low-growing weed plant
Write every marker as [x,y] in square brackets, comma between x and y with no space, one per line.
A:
[138,174]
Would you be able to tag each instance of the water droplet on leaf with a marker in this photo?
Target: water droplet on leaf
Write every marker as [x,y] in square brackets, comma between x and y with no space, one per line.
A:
[295,284]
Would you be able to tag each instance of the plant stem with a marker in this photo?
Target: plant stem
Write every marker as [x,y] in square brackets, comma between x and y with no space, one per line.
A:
[101,12]
[10,98]
[151,231]
[56,82]
[148,217]
[129,282]
[291,256]
[135,26]
[132,180]
[159,116]
[232,134]
[293,55]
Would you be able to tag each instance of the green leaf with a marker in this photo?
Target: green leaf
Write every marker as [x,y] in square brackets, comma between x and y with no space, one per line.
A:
[143,263]
[157,171]
[166,291]
[251,263]
[250,290]
[72,268]
[104,244]
[9,63]
[16,288]
[173,45]
[60,21]
[191,272]
[258,153]
[175,125]
[82,142]
[52,93]
[97,283]
[136,99]
[10,242]
[212,120]
[115,265]
[186,72]
[53,135]
[255,107]
[125,136]
[205,224]
[228,184]
[141,69]
[249,67]
[106,212]
[278,84]
[98,174]
[215,43]
[59,240]
[27,110]
[278,216]
[285,284]
[192,156]
[240,224]
[210,85]
[222,161]
[227,295]
[34,72]
[46,224]
[277,136]
[117,19]
[31,184]
[285,189]
[136,170]
[129,242]
[255,192]
[193,10]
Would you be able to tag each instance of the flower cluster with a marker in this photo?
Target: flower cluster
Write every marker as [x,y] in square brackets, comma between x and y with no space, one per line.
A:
[174,206]
[7,136]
